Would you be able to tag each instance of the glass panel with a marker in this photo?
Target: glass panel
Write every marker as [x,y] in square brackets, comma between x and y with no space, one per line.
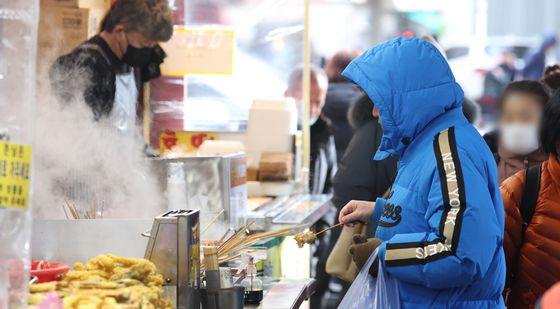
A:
[18,34]
[269,44]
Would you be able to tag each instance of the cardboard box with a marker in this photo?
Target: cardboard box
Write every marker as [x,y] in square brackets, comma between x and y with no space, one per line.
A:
[61,29]
[82,4]
[275,166]
[63,25]
[95,16]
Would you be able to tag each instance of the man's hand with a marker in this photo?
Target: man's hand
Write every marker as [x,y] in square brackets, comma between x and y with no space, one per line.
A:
[362,249]
[356,211]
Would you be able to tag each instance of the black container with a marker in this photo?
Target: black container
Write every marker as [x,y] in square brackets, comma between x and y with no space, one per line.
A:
[231,298]
[253,297]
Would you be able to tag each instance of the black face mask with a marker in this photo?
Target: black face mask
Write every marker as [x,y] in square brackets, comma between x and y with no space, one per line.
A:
[138,57]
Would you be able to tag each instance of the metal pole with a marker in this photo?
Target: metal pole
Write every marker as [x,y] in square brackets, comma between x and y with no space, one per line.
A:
[306,100]
[147,119]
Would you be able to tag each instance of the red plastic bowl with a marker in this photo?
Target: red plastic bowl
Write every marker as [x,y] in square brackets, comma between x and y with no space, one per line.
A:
[48,271]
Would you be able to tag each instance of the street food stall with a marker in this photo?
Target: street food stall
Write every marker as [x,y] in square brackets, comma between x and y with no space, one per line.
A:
[211,219]
[173,237]
[223,220]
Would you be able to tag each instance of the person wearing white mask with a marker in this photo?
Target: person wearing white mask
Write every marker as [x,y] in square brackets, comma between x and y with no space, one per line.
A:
[520,113]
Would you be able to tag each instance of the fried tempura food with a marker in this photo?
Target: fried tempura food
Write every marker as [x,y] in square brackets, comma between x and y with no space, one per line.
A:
[42,287]
[303,238]
[35,299]
[107,282]
[93,302]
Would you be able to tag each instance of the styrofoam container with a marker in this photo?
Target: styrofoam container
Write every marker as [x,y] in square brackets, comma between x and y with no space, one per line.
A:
[271,128]
[220,148]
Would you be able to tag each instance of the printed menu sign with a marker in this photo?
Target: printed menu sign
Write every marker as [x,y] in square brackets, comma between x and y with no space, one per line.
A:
[199,51]
[15,170]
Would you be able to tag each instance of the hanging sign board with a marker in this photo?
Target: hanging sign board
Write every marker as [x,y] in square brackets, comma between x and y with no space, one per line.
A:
[199,51]
[15,169]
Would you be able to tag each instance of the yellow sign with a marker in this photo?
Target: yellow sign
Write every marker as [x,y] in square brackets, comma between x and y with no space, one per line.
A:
[199,51]
[192,140]
[15,170]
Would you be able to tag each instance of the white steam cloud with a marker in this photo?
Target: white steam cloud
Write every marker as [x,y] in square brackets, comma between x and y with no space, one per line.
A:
[88,164]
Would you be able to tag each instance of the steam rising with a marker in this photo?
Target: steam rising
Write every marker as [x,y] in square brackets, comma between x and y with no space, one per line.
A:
[88,164]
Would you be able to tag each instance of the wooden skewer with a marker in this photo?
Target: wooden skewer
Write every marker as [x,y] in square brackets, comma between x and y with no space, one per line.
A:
[228,250]
[76,213]
[222,259]
[213,220]
[231,245]
[246,242]
[235,238]
[72,210]
[94,209]
[272,234]
[329,228]
[231,238]
[229,258]
[65,212]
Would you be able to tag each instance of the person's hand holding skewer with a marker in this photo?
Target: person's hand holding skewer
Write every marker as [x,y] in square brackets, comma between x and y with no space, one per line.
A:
[356,211]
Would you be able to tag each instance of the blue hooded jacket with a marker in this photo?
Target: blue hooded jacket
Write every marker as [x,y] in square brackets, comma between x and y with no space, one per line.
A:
[442,225]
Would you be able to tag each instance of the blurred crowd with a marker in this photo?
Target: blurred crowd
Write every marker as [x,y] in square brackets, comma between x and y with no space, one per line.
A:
[509,68]
[524,105]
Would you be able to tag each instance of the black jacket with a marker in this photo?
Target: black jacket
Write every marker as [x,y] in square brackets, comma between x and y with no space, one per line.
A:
[323,163]
[359,177]
[339,98]
[492,139]
[88,74]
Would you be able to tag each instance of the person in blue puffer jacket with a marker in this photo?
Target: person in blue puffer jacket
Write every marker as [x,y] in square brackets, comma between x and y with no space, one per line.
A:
[440,231]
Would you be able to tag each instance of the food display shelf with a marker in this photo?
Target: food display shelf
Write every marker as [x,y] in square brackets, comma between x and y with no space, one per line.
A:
[301,209]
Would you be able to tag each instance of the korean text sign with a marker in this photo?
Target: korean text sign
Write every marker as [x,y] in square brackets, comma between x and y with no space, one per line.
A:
[15,170]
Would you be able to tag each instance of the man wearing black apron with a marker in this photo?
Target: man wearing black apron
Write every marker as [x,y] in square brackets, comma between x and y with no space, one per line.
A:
[104,70]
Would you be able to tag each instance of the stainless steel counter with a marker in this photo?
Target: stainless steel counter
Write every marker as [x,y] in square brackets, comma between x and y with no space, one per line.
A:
[301,209]
[70,241]
[285,294]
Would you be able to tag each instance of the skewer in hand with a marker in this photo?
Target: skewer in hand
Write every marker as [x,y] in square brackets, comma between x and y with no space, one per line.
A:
[309,237]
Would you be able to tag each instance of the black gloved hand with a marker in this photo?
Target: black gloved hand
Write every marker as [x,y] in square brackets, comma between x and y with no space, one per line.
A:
[362,249]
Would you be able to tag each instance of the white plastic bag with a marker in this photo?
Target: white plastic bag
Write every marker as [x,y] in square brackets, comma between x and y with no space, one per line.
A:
[372,293]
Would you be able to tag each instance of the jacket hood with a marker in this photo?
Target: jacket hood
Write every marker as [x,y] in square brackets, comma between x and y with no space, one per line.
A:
[410,83]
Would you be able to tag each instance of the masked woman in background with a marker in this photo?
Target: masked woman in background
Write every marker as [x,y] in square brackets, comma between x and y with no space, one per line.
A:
[106,70]
[520,113]
[532,214]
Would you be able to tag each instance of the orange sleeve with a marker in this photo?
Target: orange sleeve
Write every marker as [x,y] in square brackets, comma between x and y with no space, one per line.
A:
[512,192]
